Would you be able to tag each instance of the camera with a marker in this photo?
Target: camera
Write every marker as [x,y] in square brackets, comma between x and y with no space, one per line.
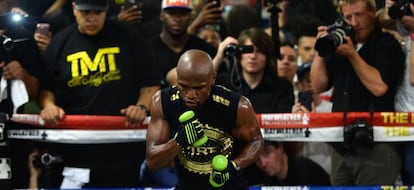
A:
[359,136]
[233,49]
[400,9]
[327,44]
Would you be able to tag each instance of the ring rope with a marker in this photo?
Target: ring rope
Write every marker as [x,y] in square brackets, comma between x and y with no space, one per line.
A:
[318,127]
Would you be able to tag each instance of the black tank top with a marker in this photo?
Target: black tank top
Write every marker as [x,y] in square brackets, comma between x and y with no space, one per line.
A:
[218,116]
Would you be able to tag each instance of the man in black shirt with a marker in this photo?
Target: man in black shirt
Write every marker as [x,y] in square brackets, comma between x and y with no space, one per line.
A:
[174,39]
[99,66]
[225,117]
[364,73]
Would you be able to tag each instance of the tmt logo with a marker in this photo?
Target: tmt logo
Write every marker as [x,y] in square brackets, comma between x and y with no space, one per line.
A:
[81,63]
[102,69]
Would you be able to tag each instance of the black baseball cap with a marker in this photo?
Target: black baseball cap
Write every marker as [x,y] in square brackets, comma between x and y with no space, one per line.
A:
[302,69]
[96,5]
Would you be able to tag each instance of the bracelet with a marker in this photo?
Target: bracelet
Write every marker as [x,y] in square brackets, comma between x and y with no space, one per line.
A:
[143,107]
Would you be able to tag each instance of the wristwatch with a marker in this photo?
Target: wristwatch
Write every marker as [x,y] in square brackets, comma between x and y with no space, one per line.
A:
[143,107]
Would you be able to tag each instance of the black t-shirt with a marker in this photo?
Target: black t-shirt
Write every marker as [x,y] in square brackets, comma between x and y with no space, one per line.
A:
[100,75]
[218,116]
[272,95]
[167,59]
[384,53]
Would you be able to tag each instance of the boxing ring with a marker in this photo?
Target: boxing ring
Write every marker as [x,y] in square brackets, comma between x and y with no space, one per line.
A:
[305,127]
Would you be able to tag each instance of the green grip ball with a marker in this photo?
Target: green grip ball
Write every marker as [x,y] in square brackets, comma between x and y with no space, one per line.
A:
[200,141]
[219,162]
[186,116]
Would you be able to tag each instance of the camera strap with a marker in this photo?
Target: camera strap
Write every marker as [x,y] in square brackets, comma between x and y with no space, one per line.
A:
[235,78]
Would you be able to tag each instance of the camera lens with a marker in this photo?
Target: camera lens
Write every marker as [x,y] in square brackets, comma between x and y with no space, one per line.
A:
[326,45]
[230,50]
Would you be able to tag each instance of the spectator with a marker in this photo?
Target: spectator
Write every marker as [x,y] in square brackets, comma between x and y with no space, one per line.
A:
[115,66]
[237,137]
[405,93]
[305,38]
[174,39]
[257,79]
[306,32]
[287,64]
[319,152]
[286,170]
[374,54]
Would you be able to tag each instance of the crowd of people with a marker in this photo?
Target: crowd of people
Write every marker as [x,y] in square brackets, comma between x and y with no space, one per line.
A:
[187,64]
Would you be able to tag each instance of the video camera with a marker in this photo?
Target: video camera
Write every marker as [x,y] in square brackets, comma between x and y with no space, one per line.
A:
[233,49]
[327,44]
[400,8]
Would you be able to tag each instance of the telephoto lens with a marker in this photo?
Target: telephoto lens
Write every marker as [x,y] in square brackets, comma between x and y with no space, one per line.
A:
[327,44]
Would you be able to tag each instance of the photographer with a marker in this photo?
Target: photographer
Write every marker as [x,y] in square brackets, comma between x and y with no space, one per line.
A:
[255,73]
[403,26]
[364,75]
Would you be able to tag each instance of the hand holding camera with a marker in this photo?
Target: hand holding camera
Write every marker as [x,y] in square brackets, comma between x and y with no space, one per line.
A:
[327,43]
[234,49]
[223,170]
[400,8]
[190,132]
